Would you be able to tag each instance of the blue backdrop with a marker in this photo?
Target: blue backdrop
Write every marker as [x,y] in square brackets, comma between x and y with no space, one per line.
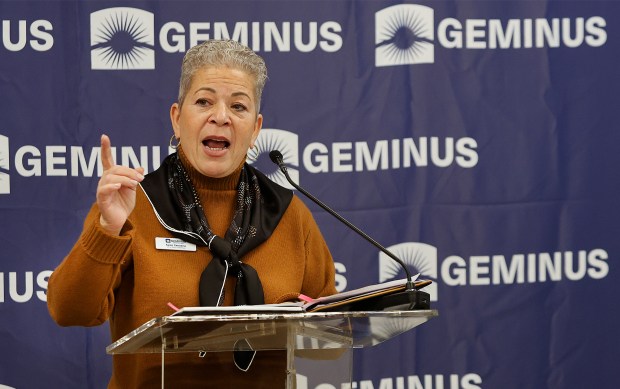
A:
[477,139]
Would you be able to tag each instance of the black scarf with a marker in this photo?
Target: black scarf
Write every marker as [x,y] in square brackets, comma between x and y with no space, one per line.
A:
[260,204]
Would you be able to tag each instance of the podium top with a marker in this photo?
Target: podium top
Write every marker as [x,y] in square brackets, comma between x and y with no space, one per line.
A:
[268,331]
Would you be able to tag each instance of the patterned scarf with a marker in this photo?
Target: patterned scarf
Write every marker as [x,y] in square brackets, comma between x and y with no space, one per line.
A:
[260,204]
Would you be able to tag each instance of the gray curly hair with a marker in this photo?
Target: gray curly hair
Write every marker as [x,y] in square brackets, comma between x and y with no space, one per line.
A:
[227,53]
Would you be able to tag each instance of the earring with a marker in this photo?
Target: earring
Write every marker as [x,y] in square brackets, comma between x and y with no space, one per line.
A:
[253,152]
[174,146]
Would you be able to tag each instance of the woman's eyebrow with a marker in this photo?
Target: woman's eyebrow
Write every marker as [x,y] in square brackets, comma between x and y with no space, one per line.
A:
[205,88]
[234,94]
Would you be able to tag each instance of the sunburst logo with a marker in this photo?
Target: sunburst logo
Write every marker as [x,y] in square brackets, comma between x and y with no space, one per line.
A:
[419,257]
[122,38]
[404,35]
[273,139]
[5,179]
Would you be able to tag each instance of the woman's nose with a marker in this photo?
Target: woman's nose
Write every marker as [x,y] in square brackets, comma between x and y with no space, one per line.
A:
[220,115]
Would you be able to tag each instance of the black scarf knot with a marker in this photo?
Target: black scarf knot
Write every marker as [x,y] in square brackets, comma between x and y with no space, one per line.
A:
[226,263]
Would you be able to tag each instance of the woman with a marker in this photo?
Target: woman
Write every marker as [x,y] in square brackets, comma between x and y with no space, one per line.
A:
[204,194]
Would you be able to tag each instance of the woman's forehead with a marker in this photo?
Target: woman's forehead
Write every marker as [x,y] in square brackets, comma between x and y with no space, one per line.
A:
[214,78]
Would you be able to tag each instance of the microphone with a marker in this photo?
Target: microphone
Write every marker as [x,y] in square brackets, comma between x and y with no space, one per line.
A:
[411,294]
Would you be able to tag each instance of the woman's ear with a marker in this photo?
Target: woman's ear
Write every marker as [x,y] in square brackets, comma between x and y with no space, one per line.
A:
[257,127]
[175,116]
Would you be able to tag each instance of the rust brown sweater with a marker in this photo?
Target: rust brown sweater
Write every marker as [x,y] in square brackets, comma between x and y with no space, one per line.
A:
[127,280]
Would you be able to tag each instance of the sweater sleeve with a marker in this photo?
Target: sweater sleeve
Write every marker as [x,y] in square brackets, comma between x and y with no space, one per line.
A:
[81,289]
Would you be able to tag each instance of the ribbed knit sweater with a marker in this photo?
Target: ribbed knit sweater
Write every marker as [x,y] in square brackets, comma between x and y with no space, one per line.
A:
[127,280]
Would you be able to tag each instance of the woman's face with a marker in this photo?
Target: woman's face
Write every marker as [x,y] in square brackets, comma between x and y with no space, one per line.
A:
[217,122]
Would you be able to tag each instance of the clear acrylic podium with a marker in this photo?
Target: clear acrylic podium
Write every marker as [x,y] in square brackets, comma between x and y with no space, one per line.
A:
[314,336]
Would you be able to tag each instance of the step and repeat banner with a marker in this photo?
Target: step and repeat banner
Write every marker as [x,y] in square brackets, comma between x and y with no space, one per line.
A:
[478,140]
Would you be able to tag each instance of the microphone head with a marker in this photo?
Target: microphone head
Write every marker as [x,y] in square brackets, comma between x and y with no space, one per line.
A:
[276,157]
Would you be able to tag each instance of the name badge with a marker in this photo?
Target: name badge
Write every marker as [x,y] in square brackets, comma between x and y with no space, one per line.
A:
[174,244]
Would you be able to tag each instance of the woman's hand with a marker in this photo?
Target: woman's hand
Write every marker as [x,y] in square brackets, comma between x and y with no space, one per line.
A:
[116,192]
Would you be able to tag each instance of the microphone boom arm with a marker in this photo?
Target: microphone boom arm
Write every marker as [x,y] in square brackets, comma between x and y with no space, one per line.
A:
[276,157]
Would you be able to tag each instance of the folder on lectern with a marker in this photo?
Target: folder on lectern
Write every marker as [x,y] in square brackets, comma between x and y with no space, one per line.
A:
[380,297]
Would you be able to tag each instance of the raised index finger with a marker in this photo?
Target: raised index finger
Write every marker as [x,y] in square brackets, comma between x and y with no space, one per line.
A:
[106,152]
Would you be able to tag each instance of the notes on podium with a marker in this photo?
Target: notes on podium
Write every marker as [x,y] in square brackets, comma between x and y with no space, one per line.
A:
[355,299]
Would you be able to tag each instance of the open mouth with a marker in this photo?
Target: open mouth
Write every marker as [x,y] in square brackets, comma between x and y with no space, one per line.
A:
[216,144]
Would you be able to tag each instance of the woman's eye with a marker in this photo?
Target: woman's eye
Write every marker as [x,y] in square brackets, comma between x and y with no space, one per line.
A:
[202,102]
[239,107]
